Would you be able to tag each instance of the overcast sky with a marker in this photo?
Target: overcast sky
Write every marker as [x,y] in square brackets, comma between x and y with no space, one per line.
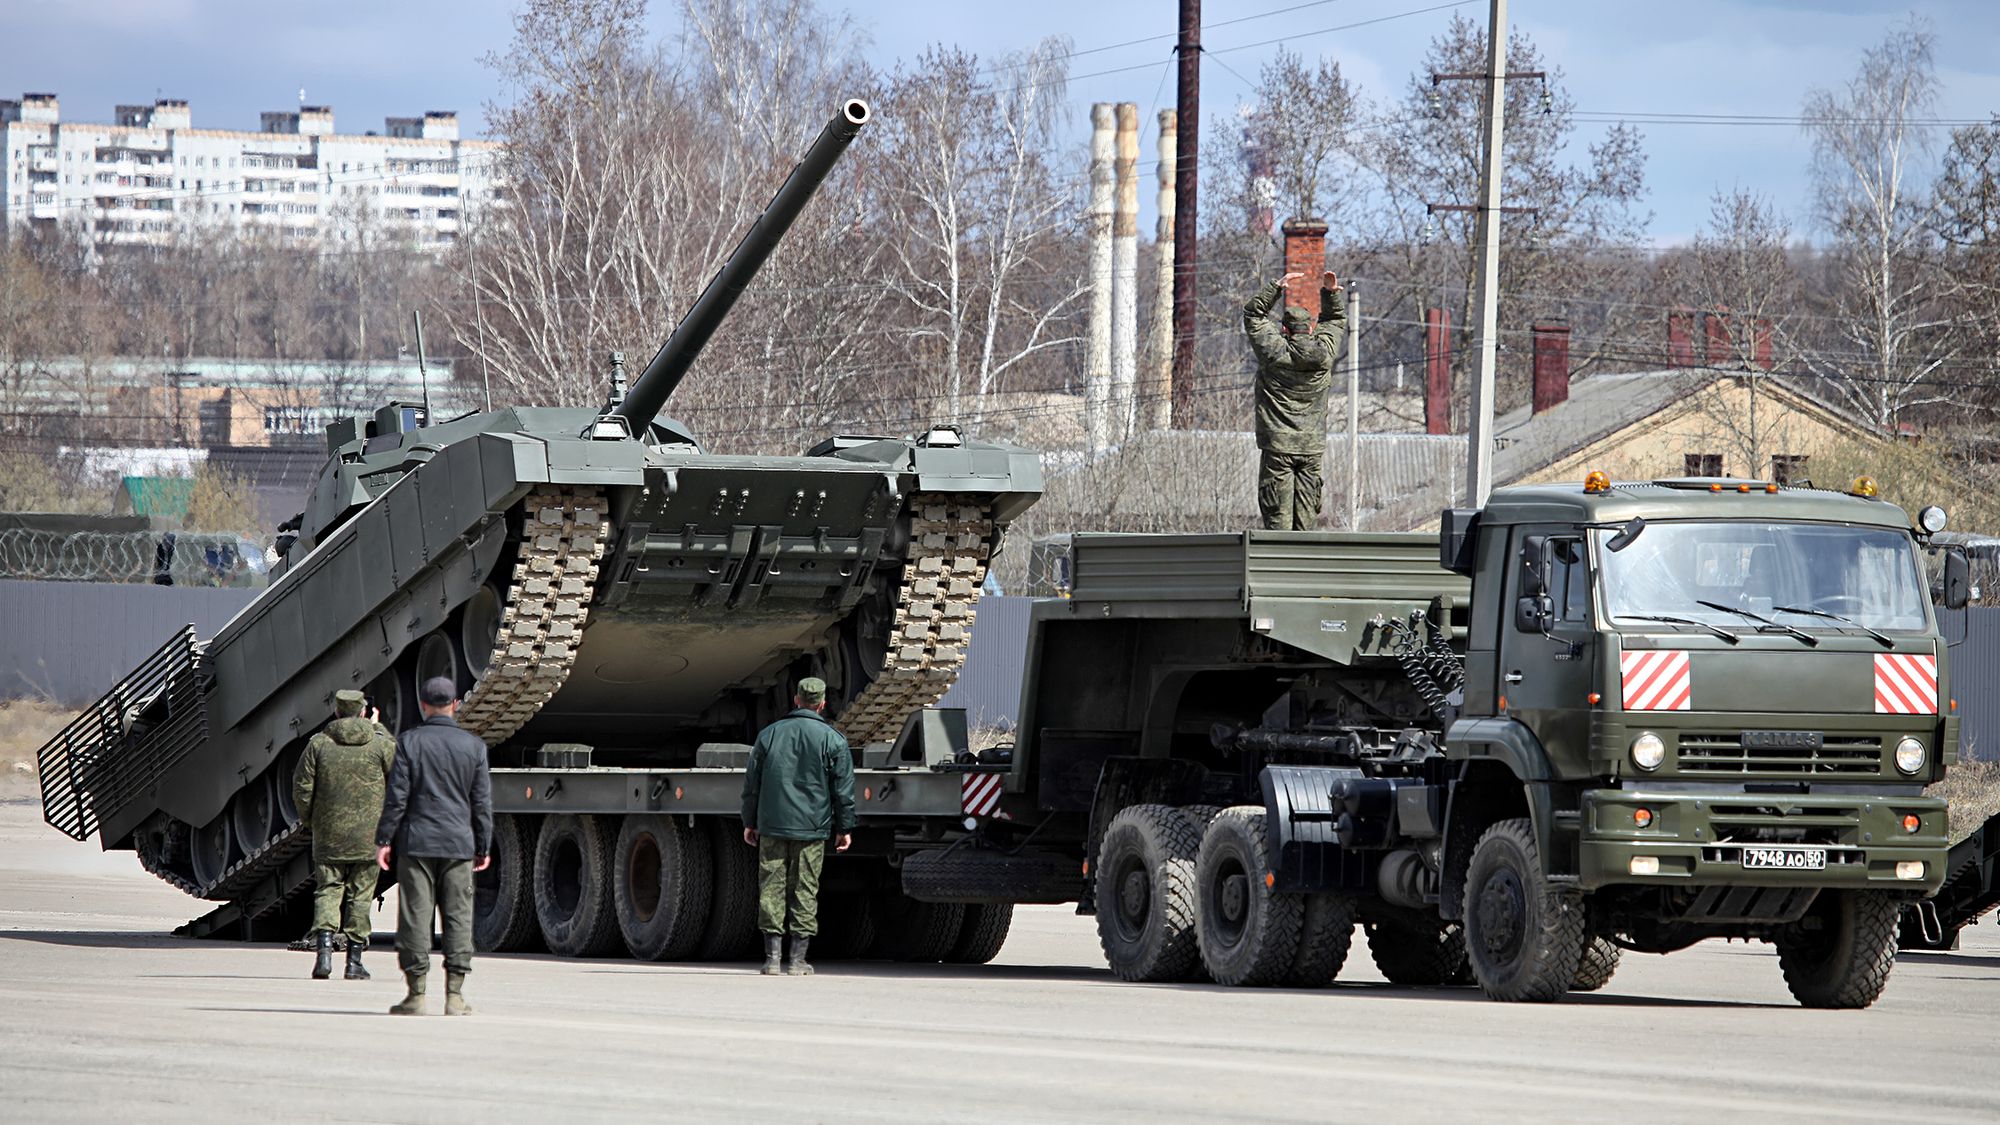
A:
[370,59]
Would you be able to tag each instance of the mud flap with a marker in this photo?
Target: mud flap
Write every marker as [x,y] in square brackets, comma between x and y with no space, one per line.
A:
[1134,781]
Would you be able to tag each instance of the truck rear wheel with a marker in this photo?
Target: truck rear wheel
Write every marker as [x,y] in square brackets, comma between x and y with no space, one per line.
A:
[1326,932]
[920,932]
[1594,969]
[1523,936]
[663,887]
[574,874]
[503,901]
[981,934]
[1839,955]
[1249,933]
[1146,894]
[1410,948]
[732,911]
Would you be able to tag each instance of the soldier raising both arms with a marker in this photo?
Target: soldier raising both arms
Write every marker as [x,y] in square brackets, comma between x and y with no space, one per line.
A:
[338,789]
[1294,373]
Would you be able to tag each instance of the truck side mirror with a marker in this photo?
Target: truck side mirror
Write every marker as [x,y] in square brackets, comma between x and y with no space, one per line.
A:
[1957,579]
[1534,613]
[1534,566]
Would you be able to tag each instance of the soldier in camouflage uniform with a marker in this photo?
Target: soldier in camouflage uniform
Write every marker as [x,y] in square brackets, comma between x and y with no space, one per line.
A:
[798,791]
[338,789]
[1294,373]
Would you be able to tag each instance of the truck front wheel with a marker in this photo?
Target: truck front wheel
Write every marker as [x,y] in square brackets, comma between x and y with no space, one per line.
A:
[1146,894]
[1523,936]
[1839,955]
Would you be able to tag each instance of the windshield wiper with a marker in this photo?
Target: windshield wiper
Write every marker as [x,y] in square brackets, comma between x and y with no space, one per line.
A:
[1793,630]
[1716,629]
[1886,642]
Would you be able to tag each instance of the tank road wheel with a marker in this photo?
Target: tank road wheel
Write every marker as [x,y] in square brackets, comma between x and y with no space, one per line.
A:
[252,811]
[1248,932]
[1839,955]
[981,934]
[663,887]
[1146,894]
[478,633]
[212,848]
[918,932]
[1416,949]
[434,658]
[393,700]
[573,881]
[1523,936]
[282,774]
[1594,969]
[1326,932]
[732,915]
[503,901]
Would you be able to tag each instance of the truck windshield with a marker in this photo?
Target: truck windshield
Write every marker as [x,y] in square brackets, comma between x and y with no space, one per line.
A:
[1867,576]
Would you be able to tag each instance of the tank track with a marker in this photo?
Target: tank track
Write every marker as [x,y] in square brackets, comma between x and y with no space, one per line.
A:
[543,613]
[951,544]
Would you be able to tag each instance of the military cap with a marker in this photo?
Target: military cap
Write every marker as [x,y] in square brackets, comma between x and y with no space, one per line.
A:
[347,703]
[438,691]
[812,689]
[1298,319]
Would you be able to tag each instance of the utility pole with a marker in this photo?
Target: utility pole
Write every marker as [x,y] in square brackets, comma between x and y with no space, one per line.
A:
[1186,175]
[1479,432]
[1353,407]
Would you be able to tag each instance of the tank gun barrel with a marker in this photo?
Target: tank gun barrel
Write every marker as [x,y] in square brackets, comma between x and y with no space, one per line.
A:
[670,365]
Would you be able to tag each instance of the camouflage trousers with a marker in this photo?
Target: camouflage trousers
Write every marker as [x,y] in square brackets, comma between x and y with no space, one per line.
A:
[425,888]
[341,896]
[788,881]
[1288,490]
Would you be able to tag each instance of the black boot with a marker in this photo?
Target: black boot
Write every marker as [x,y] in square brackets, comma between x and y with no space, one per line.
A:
[774,951]
[355,969]
[323,962]
[797,967]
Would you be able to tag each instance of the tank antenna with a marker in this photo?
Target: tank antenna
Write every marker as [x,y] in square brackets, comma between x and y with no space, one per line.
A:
[423,375]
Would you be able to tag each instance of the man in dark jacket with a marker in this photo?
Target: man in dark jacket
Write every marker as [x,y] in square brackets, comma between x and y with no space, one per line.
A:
[338,789]
[437,820]
[798,791]
[1294,373]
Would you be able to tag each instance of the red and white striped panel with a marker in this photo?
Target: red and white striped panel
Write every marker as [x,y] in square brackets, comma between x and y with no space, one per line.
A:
[1905,684]
[1656,680]
[979,793]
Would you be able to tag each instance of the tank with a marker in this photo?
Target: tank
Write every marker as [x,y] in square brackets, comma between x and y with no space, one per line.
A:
[588,577]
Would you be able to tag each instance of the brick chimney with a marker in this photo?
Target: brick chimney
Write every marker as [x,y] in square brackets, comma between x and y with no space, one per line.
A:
[1760,345]
[1437,371]
[1715,329]
[1551,365]
[1680,338]
[1305,252]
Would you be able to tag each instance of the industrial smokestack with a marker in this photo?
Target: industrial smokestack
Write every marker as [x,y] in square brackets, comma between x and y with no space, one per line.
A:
[1125,274]
[1156,396]
[1097,361]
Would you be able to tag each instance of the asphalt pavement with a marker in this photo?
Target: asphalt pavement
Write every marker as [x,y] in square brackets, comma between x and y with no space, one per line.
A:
[103,1016]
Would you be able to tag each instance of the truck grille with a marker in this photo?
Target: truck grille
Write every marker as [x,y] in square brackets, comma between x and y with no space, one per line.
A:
[1723,752]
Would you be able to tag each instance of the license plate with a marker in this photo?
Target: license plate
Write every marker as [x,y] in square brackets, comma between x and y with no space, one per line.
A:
[1786,859]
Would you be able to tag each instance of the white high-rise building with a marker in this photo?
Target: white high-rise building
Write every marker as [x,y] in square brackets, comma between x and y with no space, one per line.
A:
[150,176]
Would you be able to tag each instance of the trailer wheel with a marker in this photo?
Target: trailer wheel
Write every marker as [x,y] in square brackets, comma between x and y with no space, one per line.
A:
[981,934]
[732,913]
[1415,949]
[503,902]
[1594,969]
[918,932]
[573,880]
[663,887]
[1249,933]
[1839,955]
[1523,936]
[846,926]
[1326,932]
[1146,894]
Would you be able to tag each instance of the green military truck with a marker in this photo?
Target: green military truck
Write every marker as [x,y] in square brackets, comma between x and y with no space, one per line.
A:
[1580,720]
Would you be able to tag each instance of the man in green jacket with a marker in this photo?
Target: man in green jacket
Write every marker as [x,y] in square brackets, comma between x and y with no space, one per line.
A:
[1294,373]
[798,791]
[338,790]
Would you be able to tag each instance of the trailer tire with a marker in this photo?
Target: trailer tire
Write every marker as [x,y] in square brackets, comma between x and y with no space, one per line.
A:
[1326,933]
[1146,913]
[1599,961]
[503,901]
[1844,961]
[732,912]
[913,931]
[1249,933]
[663,886]
[846,926]
[1415,950]
[1523,935]
[981,933]
[574,875]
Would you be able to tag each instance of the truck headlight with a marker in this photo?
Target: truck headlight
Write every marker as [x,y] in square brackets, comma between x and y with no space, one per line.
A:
[1648,751]
[1909,755]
